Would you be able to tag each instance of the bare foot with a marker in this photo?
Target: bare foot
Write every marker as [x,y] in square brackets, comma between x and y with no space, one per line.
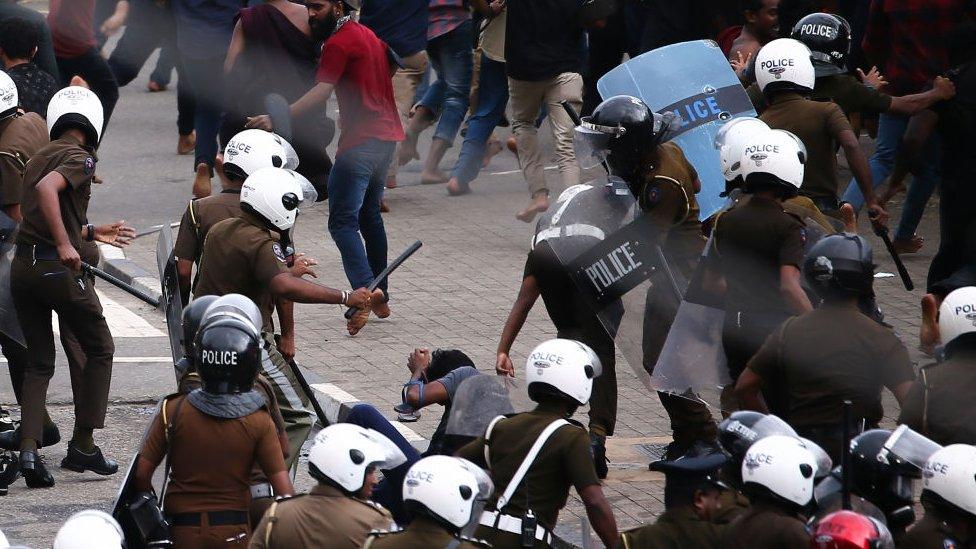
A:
[849,217]
[433,178]
[494,147]
[512,145]
[408,150]
[155,87]
[909,246]
[538,205]
[201,182]
[380,304]
[455,188]
[383,207]
[890,193]
[186,143]
[928,336]
[391,182]
[79,81]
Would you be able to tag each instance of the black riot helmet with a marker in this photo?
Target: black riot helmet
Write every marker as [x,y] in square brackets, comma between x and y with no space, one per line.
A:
[840,265]
[829,38]
[619,132]
[228,355]
[192,317]
[879,477]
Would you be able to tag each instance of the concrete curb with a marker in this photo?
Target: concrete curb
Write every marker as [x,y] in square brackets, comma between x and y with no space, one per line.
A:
[114,262]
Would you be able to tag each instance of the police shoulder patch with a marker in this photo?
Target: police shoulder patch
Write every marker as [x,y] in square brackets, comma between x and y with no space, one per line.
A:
[279,253]
[475,541]
[89,165]
[384,533]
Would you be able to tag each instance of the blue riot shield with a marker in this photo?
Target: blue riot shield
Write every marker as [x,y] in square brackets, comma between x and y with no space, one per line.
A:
[695,81]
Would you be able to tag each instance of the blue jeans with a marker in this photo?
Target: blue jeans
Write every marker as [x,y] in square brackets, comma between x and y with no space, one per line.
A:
[492,99]
[355,190]
[450,57]
[891,127]
[206,80]
[389,492]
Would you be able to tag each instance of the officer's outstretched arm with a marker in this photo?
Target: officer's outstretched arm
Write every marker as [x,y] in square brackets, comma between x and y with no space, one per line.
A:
[600,514]
[748,389]
[528,294]
[288,287]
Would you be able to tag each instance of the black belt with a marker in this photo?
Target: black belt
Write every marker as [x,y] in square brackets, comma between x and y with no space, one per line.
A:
[37,252]
[214,518]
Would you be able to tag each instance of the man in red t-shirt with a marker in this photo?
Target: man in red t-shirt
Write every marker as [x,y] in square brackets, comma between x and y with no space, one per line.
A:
[357,66]
[76,50]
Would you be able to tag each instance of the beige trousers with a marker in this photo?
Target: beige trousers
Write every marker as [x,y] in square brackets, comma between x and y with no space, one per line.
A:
[526,99]
[405,84]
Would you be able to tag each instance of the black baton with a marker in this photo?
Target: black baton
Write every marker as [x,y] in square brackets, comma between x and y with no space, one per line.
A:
[121,284]
[902,271]
[386,272]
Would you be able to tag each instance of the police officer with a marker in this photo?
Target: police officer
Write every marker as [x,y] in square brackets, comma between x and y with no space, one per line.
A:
[345,460]
[692,502]
[443,495]
[777,475]
[246,255]
[757,251]
[207,499]
[46,277]
[245,153]
[559,374]
[850,530]
[832,354]
[786,76]
[90,529]
[934,406]
[625,134]
[949,499]
[192,317]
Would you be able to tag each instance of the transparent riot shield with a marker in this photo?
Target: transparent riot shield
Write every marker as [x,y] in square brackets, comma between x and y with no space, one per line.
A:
[478,400]
[703,98]
[169,281]
[9,325]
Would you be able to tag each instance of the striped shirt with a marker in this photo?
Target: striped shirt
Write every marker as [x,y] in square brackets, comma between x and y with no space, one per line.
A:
[445,16]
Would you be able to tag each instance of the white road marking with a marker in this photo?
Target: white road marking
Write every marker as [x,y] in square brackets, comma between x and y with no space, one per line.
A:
[133,359]
[334,399]
[513,172]
[121,321]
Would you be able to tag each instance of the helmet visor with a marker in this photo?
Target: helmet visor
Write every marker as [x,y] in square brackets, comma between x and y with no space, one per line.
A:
[905,446]
[772,425]
[485,488]
[291,157]
[591,144]
[386,455]
[309,195]
[824,463]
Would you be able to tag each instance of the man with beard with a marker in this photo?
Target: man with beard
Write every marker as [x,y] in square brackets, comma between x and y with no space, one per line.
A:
[357,66]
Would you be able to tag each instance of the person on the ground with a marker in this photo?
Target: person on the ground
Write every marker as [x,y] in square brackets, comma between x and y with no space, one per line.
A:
[444,496]
[246,255]
[344,461]
[833,354]
[542,52]
[757,252]
[46,277]
[777,475]
[45,59]
[786,77]
[71,23]
[89,529]
[19,41]
[356,66]
[910,55]
[935,405]
[449,39]
[692,498]
[761,27]
[559,374]
[949,499]
[227,420]
[492,97]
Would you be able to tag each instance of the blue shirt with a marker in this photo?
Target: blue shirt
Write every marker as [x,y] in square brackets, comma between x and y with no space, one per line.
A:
[402,24]
[204,27]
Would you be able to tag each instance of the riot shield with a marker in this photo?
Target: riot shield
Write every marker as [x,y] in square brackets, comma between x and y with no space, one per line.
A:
[703,98]
[478,400]
[169,282]
[9,325]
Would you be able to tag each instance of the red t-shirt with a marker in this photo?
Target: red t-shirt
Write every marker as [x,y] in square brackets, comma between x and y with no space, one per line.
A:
[72,30]
[354,60]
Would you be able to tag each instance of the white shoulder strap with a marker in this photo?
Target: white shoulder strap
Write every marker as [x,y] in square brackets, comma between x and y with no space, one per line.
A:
[491,426]
[513,484]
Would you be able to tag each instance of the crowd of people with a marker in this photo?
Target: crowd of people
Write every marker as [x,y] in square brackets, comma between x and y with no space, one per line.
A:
[764,312]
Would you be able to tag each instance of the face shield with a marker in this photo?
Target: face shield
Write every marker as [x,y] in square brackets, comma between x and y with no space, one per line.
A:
[309,195]
[382,453]
[291,157]
[907,451]
[478,500]
[824,463]
[592,143]
[772,425]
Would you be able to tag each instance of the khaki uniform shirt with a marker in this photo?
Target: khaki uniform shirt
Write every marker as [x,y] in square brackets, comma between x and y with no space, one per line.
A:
[850,94]
[241,256]
[76,163]
[20,138]
[829,355]
[929,533]
[324,518]
[766,528]
[675,529]
[563,462]
[422,533]
[949,389]
[200,215]
[817,125]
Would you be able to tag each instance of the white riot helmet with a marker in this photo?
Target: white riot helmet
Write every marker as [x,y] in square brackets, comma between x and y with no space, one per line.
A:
[949,477]
[9,99]
[773,158]
[449,489]
[273,194]
[78,107]
[730,140]
[785,64]
[89,529]
[780,466]
[565,366]
[4,544]
[343,452]
[251,150]
[957,314]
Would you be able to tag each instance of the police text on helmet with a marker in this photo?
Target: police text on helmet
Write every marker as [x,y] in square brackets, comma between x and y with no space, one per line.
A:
[219,358]
[826,31]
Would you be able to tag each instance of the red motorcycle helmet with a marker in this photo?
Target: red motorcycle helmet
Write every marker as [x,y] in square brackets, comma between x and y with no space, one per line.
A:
[850,530]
